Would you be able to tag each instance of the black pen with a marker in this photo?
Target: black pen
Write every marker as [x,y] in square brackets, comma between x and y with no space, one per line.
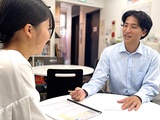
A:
[84,105]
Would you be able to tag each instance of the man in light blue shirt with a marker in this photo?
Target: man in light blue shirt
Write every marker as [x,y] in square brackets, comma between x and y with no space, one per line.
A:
[132,67]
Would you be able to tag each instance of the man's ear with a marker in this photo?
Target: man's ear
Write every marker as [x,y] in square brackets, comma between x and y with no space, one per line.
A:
[144,32]
[28,29]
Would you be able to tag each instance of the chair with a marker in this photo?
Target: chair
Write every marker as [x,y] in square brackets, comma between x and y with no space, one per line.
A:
[48,61]
[87,78]
[95,62]
[59,81]
[53,60]
[41,88]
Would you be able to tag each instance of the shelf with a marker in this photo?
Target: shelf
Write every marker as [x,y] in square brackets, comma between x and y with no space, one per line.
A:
[0,45]
[40,55]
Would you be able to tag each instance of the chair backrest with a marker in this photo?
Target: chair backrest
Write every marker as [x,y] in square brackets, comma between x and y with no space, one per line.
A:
[53,60]
[95,62]
[59,81]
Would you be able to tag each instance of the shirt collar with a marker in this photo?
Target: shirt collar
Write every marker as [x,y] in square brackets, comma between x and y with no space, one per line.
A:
[123,49]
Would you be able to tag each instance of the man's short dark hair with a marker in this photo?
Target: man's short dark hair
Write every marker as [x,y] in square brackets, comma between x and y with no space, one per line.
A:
[144,20]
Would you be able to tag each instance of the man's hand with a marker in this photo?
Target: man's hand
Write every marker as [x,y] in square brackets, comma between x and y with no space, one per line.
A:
[78,94]
[130,103]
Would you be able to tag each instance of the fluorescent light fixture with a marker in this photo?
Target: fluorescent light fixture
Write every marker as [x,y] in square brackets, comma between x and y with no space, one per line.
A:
[82,0]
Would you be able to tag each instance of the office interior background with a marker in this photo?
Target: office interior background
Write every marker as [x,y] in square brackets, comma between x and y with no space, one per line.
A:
[86,27]
[83,28]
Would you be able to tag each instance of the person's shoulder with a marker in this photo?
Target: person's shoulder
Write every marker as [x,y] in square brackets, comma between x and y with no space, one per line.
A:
[12,57]
[4,55]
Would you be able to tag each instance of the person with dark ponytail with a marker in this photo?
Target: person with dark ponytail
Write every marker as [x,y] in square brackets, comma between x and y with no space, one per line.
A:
[25,28]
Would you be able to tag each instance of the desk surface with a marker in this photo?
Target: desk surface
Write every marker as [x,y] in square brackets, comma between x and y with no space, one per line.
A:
[107,103]
[42,70]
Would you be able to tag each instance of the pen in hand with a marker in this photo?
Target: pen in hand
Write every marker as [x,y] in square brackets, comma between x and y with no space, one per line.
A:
[70,91]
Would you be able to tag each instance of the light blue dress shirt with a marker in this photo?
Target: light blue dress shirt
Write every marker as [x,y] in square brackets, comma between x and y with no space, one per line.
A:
[135,73]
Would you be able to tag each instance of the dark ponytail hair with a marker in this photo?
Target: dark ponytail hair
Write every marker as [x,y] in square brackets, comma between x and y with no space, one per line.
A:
[15,14]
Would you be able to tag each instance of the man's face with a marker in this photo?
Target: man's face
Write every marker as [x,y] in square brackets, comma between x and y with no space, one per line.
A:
[132,32]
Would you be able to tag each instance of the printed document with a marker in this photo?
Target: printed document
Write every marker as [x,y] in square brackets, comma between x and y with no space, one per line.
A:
[68,110]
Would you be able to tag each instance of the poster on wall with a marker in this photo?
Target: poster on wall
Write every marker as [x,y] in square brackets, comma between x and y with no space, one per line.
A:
[146,7]
[102,27]
[130,2]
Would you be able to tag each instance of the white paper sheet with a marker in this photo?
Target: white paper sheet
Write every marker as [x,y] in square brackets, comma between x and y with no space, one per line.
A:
[66,110]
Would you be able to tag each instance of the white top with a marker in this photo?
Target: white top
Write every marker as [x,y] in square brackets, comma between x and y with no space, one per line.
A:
[111,110]
[42,70]
[18,96]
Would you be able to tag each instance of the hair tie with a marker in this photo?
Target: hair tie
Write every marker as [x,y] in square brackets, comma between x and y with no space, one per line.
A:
[2,37]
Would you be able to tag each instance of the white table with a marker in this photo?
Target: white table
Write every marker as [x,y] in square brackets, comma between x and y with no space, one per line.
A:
[111,110]
[42,70]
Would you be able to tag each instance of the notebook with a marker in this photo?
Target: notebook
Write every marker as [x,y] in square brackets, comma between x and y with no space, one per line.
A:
[71,110]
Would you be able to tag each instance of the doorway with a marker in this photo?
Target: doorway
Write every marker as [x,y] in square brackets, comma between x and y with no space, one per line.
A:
[92,38]
[75,40]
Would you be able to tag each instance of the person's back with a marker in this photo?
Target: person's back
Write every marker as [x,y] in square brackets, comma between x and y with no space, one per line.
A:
[22,35]
[18,94]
